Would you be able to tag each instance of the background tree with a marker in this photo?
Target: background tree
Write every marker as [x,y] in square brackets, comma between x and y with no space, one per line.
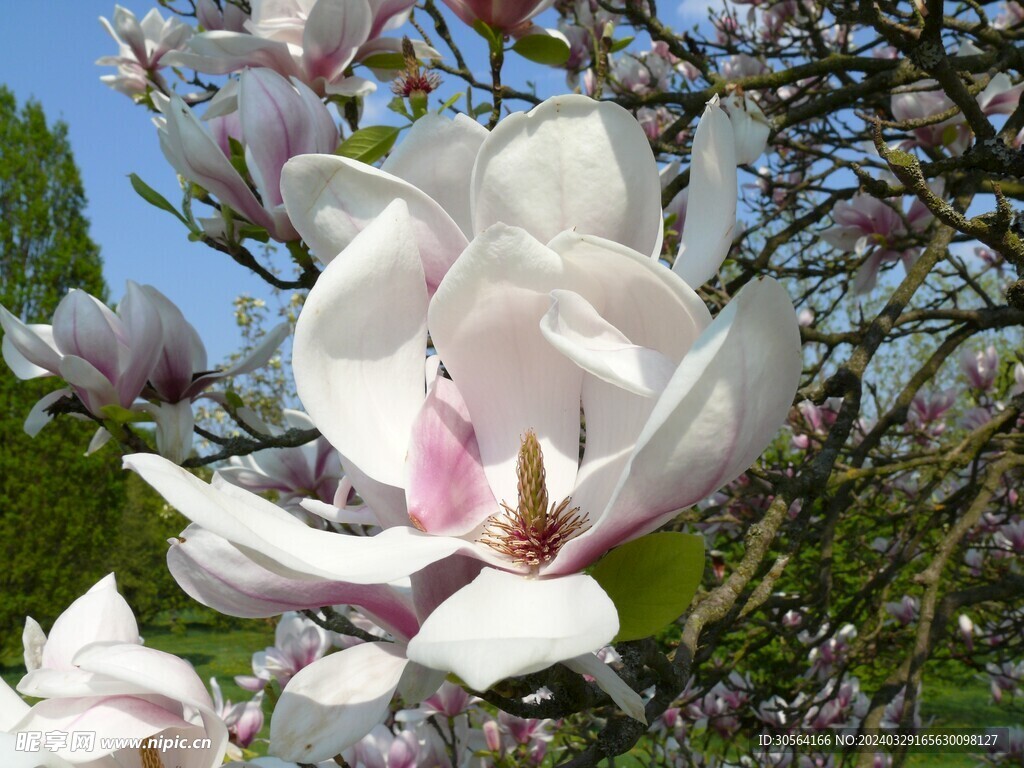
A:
[65,520]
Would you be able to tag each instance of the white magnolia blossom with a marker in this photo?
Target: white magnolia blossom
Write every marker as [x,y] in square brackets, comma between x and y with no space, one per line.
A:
[538,282]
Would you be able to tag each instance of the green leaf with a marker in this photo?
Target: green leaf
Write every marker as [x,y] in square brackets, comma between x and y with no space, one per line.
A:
[492,37]
[369,144]
[120,415]
[482,109]
[618,45]
[233,399]
[384,61]
[154,198]
[397,104]
[543,49]
[651,580]
[451,101]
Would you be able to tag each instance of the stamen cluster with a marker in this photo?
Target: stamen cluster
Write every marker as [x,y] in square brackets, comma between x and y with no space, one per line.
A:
[532,533]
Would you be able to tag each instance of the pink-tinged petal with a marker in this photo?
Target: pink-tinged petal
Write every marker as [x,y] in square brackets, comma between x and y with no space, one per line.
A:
[503,625]
[38,417]
[277,541]
[331,704]
[389,15]
[182,352]
[218,575]
[363,390]
[333,32]
[722,408]
[220,53]
[574,328]
[571,163]
[625,698]
[29,350]
[324,137]
[437,156]
[83,326]
[193,152]
[711,211]
[511,379]
[144,330]
[447,491]
[100,615]
[331,199]
[271,111]
[92,387]
[12,706]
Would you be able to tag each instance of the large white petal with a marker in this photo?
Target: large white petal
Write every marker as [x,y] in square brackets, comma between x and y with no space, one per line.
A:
[331,35]
[503,625]
[437,156]
[279,542]
[724,405]
[100,615]
[29,350]
[485,324]
[360,344]
[711,208]
[331,199]
[334,702]
[571,163]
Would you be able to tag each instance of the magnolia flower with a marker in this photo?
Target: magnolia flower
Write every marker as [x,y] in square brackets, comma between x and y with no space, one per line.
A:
[872,229]
[314,41]
[275,121]
[504,16]
[482,477]
[980,366]
[105,356]
[142,46]
[227,16]
[93,674]
[312,471]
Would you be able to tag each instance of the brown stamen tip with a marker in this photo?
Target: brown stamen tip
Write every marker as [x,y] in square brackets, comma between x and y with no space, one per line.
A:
[150,758]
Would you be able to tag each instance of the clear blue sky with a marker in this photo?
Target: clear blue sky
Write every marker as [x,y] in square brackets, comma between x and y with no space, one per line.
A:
[47,52]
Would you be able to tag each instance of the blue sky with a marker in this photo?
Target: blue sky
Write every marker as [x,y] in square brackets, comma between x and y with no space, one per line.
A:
[47,52]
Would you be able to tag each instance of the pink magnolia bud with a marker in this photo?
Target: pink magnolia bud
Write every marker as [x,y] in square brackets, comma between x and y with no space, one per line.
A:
[503,17]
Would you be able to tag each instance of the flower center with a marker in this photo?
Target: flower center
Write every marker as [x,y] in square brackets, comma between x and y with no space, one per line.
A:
[532,533]
[150,758]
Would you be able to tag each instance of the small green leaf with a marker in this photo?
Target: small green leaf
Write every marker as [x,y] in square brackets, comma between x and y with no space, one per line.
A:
[492,37]
[618,45]
[482,109]
[154,198]
[369,144]
[233,399]
[253,232]
[397,104]
[451,101]
[543,49]
[384,61]
[651,580]
[119,415]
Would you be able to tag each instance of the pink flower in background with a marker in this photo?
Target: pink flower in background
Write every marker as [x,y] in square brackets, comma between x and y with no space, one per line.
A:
[872,229]
[142,46]
[501,15]
[105,356]
[980,366]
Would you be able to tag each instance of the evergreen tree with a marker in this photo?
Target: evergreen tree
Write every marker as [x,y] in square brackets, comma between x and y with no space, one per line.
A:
[62,516]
